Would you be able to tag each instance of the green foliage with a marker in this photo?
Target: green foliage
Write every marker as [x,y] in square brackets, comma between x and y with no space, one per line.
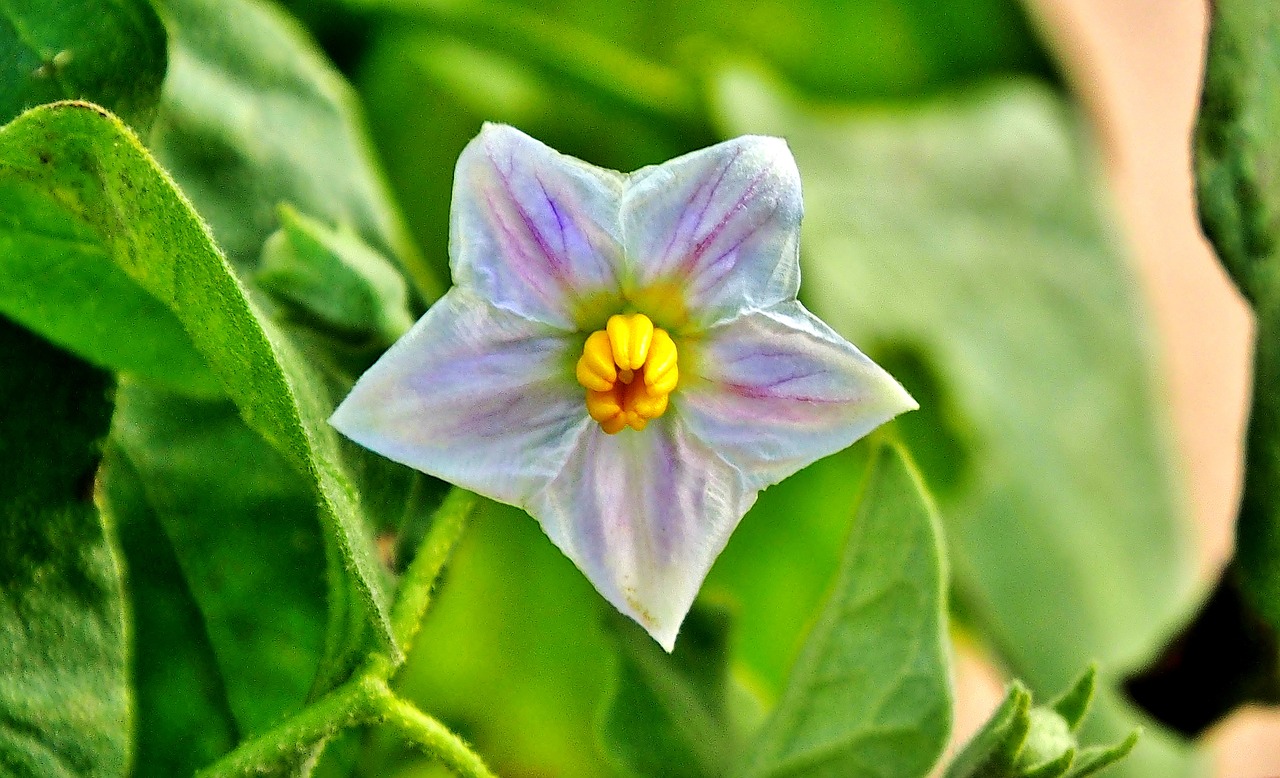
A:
[244,528]
[183,721]
[981,205]
[1237,152]
[65,703]
[1021,741]
[112,53]
[861,49]
[252,116]
[670,714]
[870,694]
[332,278]
[102,185]
[880,637]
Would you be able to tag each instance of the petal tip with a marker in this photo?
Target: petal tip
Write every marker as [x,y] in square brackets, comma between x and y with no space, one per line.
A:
[663,630]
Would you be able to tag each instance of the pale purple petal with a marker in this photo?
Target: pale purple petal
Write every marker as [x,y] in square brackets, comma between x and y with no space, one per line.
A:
[472,394]
[644,515]
[778,389]
[721,223]
[533,231]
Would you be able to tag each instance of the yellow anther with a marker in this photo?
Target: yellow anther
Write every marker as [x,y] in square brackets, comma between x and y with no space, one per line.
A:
[603,406]
[630,337]
[627,349]
[661,372]
[595,367]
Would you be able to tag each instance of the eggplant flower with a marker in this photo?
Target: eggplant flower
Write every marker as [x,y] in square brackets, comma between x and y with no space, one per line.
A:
[622,356]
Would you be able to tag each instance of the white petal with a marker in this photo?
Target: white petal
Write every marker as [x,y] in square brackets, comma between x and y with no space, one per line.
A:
[532,230]
[777,389]
[643,515]
[722,223]
[474,395]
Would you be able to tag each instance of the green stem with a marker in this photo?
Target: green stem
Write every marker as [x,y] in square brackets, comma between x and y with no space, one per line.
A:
[414,595]
[366,699]
[591,64]
[350,704]
[434,738]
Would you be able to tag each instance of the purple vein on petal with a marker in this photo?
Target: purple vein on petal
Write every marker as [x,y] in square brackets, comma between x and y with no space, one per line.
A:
[691,261]
[706,204]
[564,242]
[524,263]
[556,263]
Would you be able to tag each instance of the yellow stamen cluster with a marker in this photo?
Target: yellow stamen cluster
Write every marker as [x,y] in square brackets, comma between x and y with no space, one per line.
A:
[629,370]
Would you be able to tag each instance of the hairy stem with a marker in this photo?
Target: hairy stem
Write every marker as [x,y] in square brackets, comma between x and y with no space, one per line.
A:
[350,704]
[366,699]
[414,595]
[434,738]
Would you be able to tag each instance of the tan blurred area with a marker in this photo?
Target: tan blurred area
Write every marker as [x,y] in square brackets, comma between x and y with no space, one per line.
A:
[1137,65]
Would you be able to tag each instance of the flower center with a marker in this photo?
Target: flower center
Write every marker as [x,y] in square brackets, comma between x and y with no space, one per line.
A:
[629,370]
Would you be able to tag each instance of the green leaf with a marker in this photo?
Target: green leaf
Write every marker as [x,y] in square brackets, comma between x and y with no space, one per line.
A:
[1237,164]
[670,714]
[109,51]
[244,527]
[57,278]
[870,693]
[1091,760]
[183,720]
[101,185]
[964,240]
[334,279]
[64,685]
[114,54]
[252,116]
[1074,703]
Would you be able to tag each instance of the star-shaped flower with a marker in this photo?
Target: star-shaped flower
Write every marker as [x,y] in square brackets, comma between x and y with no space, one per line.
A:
[622,356]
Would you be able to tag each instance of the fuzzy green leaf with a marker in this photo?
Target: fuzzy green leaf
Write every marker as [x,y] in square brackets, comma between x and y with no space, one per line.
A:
[334,279]
[870,694]
[109,51]
[183,720]
[1074,703]
[102,186]
[1237,153]
[244,527]
[114,54]
[64,676]
[254,115]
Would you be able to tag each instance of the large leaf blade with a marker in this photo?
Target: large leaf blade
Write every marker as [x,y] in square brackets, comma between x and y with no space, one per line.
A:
[870,694]
[64,676]
[73,50]
[247,538]
[102,183]
[183,719]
